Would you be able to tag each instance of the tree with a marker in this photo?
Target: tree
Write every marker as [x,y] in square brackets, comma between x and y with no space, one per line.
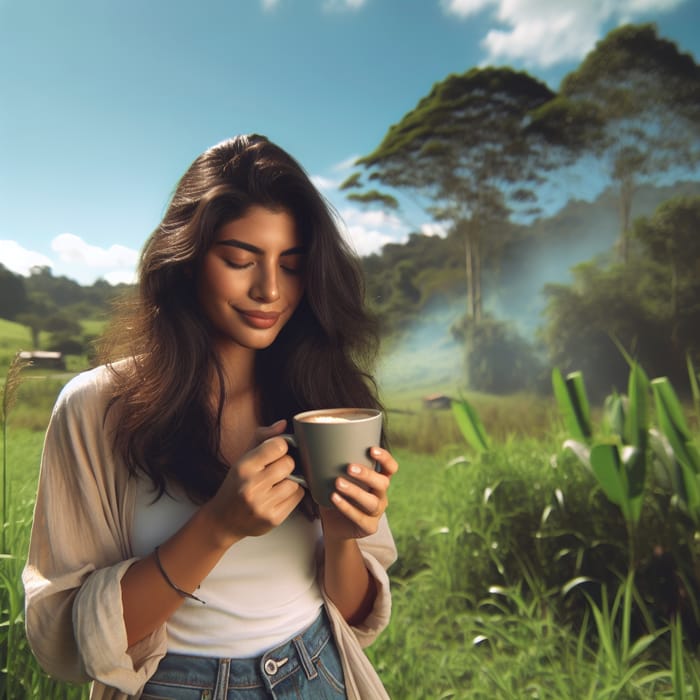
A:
[35,323]
[671,238]
[13,295]
[650,305]
[647,94]
[468,152]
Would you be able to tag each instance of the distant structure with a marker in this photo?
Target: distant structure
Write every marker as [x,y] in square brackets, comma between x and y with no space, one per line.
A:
[44,359]
[436,402]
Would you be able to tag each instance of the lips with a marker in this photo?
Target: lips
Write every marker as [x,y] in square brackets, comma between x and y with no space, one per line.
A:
[259,319]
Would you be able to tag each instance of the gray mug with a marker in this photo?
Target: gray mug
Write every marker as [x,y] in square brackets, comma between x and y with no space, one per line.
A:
[330,439]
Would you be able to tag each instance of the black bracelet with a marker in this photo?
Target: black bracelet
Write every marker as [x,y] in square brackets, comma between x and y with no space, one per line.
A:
[168,580]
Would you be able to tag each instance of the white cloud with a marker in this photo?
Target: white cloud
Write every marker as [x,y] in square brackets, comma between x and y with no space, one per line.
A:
[19,259]
[75,259]
[342,5]
[127,276]
[367,231]
[73,249]
[545,32]
[464,8]
[324,183]
[345,165]
[433,229]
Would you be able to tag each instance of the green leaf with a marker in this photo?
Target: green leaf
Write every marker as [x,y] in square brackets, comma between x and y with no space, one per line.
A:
[690,492]
[614,415]
[672,422]
[607,466]
[570,395]
[641,645]
[677,665]
[637,418]
[470,425]
[693,378]
[575,583]
[634,463]
[582,451]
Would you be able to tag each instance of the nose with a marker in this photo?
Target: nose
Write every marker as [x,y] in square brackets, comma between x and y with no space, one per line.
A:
[266,286]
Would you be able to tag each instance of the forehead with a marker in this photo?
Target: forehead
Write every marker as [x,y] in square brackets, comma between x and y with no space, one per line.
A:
[262,228]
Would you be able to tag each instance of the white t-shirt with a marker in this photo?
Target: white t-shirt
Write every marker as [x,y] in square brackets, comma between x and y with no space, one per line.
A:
[262,591]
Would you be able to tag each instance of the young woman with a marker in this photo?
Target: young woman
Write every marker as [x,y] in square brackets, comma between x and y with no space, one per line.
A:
[171,557]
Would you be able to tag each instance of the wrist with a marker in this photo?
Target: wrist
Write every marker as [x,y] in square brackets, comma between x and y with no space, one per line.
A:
[220,537]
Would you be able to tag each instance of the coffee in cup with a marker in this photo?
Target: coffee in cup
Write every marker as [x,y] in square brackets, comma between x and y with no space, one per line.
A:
[330,439]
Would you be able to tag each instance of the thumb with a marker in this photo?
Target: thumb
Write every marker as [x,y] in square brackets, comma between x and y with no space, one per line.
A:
[263,432]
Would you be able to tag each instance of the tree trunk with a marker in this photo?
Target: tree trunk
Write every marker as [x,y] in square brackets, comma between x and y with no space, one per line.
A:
[476,263]
[469,271]
[626,192]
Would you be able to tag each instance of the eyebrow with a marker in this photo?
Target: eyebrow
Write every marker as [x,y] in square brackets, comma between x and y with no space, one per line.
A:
[233,243]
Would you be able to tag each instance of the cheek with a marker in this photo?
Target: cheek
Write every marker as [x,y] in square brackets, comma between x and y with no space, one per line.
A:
[296,291]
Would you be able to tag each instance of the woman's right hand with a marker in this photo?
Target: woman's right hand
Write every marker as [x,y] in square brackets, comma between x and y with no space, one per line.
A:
[256,495]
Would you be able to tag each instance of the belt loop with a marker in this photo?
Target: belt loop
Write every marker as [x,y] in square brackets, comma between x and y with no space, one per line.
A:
[305,657]
[222,679]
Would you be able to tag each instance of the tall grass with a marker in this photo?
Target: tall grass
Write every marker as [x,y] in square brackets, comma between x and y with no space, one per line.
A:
[20,675]
[485,543]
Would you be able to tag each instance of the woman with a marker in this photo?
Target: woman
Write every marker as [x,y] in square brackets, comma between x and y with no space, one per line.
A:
[168,542]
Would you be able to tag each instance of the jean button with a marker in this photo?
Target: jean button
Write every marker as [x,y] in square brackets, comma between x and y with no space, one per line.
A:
[271,666]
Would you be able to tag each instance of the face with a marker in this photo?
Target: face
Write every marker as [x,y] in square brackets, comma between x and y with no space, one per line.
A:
[252,278]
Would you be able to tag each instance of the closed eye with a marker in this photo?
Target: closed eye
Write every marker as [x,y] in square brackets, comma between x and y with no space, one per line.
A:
[236,265]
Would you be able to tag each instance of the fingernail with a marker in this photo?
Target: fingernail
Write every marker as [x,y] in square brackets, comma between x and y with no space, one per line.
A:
[342,484]
[376,452]
[354,469]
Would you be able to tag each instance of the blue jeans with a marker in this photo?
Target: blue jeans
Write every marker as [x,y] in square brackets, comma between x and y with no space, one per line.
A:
[307,666]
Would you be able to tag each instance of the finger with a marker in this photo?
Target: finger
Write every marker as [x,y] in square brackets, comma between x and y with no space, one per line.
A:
[370,479]
[369,502]
[365,524]
[288,490]
[257,459]
[278,470]
[387,463]
[263,432]
[272,449]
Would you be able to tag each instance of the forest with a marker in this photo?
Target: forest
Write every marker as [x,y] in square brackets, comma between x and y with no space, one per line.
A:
[529,274]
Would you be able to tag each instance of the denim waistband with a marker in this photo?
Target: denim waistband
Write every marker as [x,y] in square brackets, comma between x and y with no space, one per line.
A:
[273,667]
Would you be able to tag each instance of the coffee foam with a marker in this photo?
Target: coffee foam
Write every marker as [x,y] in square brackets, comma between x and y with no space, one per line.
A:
[341,417]
[327,419]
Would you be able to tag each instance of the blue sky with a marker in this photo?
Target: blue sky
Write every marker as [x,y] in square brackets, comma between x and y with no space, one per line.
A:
[105,104]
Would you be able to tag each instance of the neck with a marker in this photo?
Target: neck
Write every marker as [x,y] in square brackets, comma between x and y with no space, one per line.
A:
[238,365]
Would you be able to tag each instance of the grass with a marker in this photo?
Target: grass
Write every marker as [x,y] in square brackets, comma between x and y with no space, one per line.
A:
[484,542]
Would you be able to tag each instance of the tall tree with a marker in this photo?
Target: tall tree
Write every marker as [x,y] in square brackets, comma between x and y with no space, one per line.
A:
[648,97]
[671,237]
[13,295]
[467,152]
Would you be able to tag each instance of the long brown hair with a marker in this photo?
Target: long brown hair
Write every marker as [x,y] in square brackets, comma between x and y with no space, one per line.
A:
[321,358]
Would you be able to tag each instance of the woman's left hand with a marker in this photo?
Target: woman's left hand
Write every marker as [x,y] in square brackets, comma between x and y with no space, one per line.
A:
[358,508]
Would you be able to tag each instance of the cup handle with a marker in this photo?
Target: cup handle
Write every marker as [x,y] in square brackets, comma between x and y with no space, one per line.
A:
[291,441]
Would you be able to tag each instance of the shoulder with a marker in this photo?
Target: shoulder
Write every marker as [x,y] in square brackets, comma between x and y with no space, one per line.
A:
[87,385]
[87,392]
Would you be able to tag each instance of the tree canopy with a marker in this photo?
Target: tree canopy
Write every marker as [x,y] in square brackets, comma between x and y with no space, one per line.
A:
[647,96]
[468,153]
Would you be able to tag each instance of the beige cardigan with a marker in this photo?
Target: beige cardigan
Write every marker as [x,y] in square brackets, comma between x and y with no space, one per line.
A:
[80,548]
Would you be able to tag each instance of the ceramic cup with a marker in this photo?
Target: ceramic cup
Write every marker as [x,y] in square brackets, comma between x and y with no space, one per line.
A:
[327,441]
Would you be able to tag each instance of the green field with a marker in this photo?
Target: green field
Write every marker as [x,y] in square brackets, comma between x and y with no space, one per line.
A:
[485,542]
